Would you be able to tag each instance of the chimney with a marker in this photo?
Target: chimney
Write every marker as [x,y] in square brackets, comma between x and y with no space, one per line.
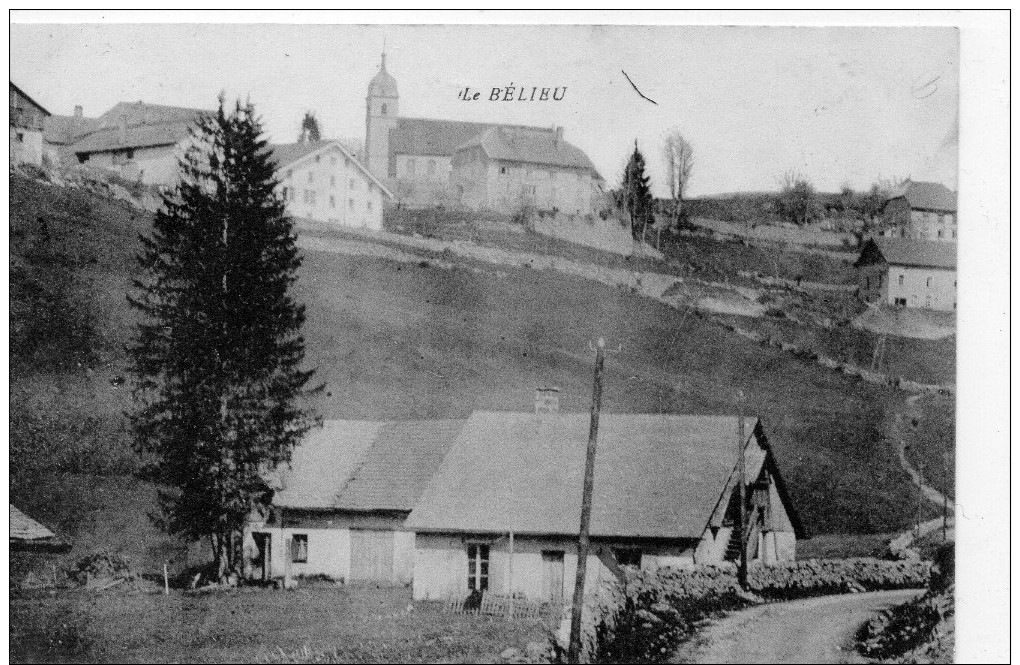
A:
[547,400]
[78,111]
[122,130]
[559,137]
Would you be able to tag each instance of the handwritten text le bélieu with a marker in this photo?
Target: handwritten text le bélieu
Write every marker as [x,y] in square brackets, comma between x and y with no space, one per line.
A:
[515,94]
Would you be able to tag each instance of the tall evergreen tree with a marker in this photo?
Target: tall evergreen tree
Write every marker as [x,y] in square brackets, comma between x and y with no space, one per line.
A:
[309,128]
[637,194]
[219,389]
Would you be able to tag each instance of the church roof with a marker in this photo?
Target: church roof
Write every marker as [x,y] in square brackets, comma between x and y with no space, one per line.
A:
[531,145]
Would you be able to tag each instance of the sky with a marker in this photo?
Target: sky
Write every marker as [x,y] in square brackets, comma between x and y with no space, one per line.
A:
[838,104]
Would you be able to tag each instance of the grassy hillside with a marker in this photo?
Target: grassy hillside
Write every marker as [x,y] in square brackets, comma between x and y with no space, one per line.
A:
[394,340]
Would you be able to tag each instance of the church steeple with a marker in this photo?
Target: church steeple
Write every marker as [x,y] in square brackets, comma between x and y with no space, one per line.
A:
[381,111]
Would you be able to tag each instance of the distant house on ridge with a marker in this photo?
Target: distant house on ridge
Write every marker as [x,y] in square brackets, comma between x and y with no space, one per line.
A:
[921,211]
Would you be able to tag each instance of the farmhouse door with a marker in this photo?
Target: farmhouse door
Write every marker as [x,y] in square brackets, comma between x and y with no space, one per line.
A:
[552,575]
[371,555]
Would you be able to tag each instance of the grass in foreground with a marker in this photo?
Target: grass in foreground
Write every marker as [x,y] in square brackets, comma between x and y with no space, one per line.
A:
[339,624]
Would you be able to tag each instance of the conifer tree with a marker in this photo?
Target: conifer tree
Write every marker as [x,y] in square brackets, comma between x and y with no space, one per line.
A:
[637,195]
[219,389]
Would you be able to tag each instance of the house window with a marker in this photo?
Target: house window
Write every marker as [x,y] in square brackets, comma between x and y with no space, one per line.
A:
[311,197]
[502,170]
[900,302]
[626,556]
[284,193]
[311,177]
[332,202]
[940,233]
[299,548]
[954,234]
[867,283]
[384,109]
[478,567]
[318,158]
[901,280]
[350,203]
[332,181]
[368,205]
[353,183]
[21,137]
[927,282]
[290,172]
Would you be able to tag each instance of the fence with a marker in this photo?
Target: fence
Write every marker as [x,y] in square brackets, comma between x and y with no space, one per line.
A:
[498,605]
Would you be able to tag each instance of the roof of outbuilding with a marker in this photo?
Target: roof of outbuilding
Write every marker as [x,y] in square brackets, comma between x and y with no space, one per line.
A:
[908,252]
[323,463]
[926,196]
[400,463]
[530,145]
[24,527]
[65,129]
[656,476]
[138,136]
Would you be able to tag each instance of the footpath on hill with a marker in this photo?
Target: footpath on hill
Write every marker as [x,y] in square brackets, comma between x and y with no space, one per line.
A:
[815,630]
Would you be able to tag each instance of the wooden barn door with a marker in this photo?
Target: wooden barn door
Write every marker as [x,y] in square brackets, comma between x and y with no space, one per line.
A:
[371,555]
[552,574]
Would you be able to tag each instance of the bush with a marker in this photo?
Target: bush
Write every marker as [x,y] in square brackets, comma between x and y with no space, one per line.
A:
[101,566]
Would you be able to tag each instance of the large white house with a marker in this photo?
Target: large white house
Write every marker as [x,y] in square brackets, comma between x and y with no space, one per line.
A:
[908,273]
[323,183]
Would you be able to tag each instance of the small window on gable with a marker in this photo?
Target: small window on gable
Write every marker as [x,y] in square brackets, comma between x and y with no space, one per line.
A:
[311,177]
[332,181]
[318,158]
[299,548]
[927,282]
[502,170]
[901,280]
[384,109]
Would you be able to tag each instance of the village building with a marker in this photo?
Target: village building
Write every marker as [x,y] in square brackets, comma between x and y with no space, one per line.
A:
[908,273]
[503,511]
[322,182]
[60,132]
[138,141]
[27,120]
[920,211]
[417,158]
[339,507]
[515,169]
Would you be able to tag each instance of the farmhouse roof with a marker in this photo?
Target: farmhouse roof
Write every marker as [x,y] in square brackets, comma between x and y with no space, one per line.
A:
[400,463]
[908,252]
[24,527]
[532,145]
[926,196]
[66,129]
[323,463]
[145,126]
[28,97]
[288,154]
[656,476]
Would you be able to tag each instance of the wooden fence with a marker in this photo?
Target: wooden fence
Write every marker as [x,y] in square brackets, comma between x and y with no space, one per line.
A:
[499,605]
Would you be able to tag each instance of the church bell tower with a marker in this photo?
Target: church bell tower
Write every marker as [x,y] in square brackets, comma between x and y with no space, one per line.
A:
[381,113]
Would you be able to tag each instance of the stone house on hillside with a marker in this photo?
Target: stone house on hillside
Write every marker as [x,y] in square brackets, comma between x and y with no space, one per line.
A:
[921,211]
[415,156]
[908,273]
[324,183]
[139,141]
[510,168]
[27,119]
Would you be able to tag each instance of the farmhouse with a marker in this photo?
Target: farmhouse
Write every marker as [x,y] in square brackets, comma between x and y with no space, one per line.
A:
[26,127]
[416,157]
[137,140]
[921,211]
[908,273]
[339,509]
[321,181]
[503,510]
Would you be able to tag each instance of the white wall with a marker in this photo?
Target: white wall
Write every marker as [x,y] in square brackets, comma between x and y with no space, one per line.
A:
[330,189]
[329,553]
[441,564]
[26,146]
[152,166]
[939,293]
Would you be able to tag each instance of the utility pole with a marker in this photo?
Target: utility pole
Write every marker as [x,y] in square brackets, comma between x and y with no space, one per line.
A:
[920,495]
[574,650]
[742,481]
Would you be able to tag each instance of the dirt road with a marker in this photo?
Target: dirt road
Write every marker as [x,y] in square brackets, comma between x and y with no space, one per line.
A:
[817,630]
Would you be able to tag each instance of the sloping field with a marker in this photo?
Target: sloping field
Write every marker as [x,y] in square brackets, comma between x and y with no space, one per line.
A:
[394,339]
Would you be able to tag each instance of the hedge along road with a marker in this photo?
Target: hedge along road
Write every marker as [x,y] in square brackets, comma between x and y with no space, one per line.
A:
[815,630]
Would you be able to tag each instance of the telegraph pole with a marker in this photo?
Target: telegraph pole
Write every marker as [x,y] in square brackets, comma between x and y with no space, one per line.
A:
[742,480]
[574,651]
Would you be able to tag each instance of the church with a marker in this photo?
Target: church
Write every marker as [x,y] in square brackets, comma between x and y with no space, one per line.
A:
[428,162]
